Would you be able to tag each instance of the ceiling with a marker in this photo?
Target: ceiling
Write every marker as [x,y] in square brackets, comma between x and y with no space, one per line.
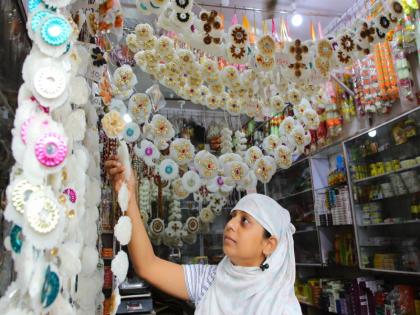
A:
[312,10]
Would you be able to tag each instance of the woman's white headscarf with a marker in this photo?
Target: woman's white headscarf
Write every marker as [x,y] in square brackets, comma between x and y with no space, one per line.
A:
[249,290]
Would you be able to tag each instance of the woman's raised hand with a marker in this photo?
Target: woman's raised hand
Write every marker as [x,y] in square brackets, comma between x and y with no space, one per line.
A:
[115,171]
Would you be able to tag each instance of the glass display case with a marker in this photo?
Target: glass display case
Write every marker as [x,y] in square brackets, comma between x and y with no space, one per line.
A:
[383,168]
[333,215]
[292,189]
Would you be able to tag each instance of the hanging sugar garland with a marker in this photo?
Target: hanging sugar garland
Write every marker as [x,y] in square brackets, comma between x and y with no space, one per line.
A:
[54,188]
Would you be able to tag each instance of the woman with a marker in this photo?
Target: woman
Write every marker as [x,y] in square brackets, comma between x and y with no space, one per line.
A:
[256,276]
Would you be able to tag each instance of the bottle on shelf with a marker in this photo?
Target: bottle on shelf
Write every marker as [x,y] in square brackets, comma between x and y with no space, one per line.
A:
[415,207]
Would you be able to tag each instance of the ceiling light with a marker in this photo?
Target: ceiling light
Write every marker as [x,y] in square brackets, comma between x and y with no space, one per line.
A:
[372,133]
[297,20]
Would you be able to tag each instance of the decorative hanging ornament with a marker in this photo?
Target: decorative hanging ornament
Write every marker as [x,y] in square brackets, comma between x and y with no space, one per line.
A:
[219,184]
[51,288]
[140,107]
[179,190]
[122,230]
[52,34]
[238,35]
[236,172]
[131,132]
[252,155]
[277,104]
[119,266]
[51,149]
[283,156]
[148,152]
[206,164]
[264,169]
[182,151]
[168,169]
[16,238]
[43,220]
[18,193]
[191,181]
[270,143]
[113,124]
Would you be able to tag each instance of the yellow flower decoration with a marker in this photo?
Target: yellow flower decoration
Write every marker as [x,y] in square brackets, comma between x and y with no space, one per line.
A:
[113,124]
[162,128]
[182,151]
[265,168]
[266,45]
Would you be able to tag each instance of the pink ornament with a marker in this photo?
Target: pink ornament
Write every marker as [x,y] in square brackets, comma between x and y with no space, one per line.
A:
[24,129]
[51,149]
[149,151]
[71,193]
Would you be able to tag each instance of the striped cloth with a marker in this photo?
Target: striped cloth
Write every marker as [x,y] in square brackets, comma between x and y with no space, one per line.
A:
[198,279]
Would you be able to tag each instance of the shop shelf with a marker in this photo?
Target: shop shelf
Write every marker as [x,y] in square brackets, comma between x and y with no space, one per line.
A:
[390,223]
[295,194]
[399,237]
[401,170]
[306,231]
[342,185]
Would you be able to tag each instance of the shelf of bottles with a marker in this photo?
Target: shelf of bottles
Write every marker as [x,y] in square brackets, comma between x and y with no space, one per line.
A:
[332,205]
[384,174]
[292,189]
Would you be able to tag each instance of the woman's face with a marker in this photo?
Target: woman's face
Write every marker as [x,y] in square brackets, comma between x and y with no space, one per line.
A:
[244,241]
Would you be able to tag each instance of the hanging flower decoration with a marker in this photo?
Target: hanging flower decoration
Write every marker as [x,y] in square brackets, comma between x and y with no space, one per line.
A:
[347,42]
[264,169]
[270,143]
[229,157]
[265,63]
[311,119]
[140,107]
[294,96]
[283,156]
[168,169]
[277,104]
[162,129]
[206,215]
[300,108]
[147,152]
[238,35]
[131,132]
[213,101]
[233,107]
[182,151]
[179,190]
[191,181]
[113,124]
[235,172]
[219,184]
[143,32]
[206,164]
[299,138]
[324,49]
[230,75]
[216,204]
[252,155]
[287,125]
[124,77]
[266,45]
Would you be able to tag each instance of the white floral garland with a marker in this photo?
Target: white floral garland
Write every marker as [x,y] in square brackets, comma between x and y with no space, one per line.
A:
[54,191]
[308,63]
